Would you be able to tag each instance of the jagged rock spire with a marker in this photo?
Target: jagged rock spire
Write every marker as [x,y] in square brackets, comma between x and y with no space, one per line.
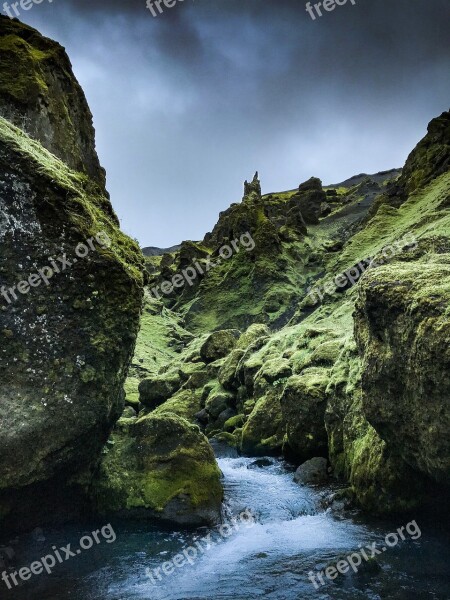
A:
[253,187]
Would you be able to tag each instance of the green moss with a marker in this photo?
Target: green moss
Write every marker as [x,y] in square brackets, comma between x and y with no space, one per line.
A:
[185,403]
[234,423]
[86,206]
[264,429]
[162,465]
[21,76]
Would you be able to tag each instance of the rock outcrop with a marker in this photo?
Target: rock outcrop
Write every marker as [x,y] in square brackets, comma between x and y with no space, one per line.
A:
[403,333]
[71,285]
[40,95]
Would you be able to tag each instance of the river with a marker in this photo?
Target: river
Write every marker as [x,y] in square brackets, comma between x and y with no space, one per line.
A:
[277,533]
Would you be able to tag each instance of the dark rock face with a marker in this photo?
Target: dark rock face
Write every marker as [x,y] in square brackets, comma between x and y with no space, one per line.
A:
[403,331]
[253,187]
[303,405]
[429,159]
[313,471]
[308,201]
[40,95]
[71,286]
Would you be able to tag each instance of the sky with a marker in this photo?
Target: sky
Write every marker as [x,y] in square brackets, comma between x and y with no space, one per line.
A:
[189,104]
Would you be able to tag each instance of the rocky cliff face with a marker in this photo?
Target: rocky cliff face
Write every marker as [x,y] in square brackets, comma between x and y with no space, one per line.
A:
[40,95]
[71,286]
[310,376]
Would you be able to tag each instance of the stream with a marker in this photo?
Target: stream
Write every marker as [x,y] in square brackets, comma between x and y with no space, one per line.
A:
[277,532]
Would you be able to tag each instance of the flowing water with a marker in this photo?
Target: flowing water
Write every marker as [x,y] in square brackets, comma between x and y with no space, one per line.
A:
[277,533]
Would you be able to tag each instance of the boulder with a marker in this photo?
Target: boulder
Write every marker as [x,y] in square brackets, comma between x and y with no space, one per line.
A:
[264,430]
[71,286]
[403,332]
[156,390]
[160,466]
[313,471]
[255,332]
[218,344]
[218,401]
[40,95]
[303,404]
[227,372]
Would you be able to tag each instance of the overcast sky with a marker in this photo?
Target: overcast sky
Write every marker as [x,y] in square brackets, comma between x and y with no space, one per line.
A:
[189,104]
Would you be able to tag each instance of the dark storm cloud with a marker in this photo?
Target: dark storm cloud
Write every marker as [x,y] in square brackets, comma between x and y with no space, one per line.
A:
[189,104]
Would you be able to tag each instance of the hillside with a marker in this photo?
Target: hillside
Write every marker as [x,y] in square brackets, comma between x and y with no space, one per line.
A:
[273,350]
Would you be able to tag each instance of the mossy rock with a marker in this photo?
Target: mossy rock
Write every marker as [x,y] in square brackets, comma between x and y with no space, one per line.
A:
[255,332]
[160,466]
[264,430]
[219,344]
[303,404]
[234,423]
[227,372]
[185,403]
[156,390]
[218,401]
[274,370]
[40,94]
[66,383]
[403,333]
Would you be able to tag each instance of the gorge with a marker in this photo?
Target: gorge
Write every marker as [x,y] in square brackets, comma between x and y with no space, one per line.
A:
[165,416]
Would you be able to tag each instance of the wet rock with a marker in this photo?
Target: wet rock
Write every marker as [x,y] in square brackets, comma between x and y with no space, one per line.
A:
[314,471]
[260,463]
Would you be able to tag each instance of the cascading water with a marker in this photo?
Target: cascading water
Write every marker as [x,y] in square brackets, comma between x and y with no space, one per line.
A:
[269,554]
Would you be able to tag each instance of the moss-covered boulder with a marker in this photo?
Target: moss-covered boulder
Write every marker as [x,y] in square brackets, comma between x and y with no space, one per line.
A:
[217,401]
[219,344]
[153,391]
[303,405]
[227,372]
[255,332]
[403,333]
[71,292]
[185,403]
[159,466]
[263,433]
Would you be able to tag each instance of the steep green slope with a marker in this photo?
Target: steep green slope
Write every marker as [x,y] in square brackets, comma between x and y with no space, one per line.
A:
[310,386]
